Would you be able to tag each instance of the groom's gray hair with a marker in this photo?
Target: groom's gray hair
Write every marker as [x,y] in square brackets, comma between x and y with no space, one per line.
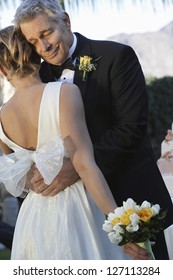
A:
[29,9]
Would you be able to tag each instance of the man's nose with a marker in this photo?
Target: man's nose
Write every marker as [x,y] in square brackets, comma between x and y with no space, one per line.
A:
[44,45]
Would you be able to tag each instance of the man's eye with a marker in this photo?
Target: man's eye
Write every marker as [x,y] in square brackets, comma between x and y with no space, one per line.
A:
[47,34]
[33,43]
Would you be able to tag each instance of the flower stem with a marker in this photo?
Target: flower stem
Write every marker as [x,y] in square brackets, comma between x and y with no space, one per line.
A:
[147,245]
[84,76]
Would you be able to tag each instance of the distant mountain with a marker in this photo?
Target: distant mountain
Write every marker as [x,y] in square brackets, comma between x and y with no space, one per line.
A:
[154,50]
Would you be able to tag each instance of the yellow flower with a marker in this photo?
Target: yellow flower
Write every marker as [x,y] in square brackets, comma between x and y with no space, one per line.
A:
[130,211]
[86,65]
[125,219]
[145,214]
[115,221]
[85,62]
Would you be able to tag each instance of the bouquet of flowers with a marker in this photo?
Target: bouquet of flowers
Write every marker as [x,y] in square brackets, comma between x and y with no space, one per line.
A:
[135,223]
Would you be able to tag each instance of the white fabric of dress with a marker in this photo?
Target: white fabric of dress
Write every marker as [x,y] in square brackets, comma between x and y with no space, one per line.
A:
[67,226]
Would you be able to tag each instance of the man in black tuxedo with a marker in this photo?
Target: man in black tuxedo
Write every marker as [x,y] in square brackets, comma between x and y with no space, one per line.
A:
[116,107]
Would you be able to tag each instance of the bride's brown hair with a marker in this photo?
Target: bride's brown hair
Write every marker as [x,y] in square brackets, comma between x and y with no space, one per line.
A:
[16,54]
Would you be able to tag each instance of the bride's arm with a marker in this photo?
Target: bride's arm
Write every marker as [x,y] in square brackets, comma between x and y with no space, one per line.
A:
[77,141]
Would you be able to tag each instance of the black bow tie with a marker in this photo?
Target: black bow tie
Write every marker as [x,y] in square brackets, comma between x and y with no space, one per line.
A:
[58,69]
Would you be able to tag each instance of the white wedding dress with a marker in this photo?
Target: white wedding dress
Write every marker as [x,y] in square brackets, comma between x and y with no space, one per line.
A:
[67,226]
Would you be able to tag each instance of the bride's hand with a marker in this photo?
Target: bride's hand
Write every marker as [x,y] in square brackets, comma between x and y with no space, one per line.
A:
[66,177]
[136,252]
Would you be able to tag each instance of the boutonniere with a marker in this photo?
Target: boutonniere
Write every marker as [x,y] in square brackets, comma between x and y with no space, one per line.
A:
[87,65]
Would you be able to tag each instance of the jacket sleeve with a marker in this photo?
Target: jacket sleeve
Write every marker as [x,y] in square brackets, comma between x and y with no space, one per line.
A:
[129,109]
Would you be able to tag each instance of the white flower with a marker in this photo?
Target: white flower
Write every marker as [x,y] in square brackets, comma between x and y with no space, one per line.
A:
[107,226]
[145,204]
[132,228]
[111,216]
[118,228]
[115,236]
[129,204]
[134,225]
[156,209]
[134,218]
[119,211]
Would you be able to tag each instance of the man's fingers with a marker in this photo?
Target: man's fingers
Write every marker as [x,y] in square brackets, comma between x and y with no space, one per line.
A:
[57,190]
[37,175]
[53,190]
[47,191]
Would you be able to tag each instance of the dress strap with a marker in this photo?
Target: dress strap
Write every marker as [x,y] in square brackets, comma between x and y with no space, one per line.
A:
[48,124]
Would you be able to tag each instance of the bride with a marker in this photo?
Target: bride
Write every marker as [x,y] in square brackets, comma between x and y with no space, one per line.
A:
[42,124]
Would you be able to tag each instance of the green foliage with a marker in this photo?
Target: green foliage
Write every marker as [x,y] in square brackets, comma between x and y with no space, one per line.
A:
[5,254]
[160,110]
[62,3]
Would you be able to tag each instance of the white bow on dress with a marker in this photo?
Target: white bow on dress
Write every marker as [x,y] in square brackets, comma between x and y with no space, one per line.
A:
[14,166]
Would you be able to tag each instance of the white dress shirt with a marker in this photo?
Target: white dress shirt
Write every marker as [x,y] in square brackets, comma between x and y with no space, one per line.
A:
[67,74]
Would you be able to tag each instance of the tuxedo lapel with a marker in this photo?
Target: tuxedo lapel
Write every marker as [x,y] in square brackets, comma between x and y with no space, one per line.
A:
[78,81]
[82,48]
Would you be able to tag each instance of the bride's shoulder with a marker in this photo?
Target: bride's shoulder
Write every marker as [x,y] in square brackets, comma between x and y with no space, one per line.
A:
[70,88]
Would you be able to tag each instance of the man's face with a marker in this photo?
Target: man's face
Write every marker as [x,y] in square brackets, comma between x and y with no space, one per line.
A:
[50,39]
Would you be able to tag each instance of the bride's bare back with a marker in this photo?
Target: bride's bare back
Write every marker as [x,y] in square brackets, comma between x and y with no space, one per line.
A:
[19,116]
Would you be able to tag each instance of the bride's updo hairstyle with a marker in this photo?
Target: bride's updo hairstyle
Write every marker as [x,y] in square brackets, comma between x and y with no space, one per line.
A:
[16,54]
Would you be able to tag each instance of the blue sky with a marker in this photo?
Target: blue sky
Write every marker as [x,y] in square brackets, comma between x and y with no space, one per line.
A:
[106,20]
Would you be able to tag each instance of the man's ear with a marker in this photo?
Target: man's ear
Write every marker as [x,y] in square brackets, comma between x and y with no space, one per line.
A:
[66,19]
[2,70]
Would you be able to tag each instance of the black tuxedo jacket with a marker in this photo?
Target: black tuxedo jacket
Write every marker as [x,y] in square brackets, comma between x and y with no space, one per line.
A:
[116,108]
